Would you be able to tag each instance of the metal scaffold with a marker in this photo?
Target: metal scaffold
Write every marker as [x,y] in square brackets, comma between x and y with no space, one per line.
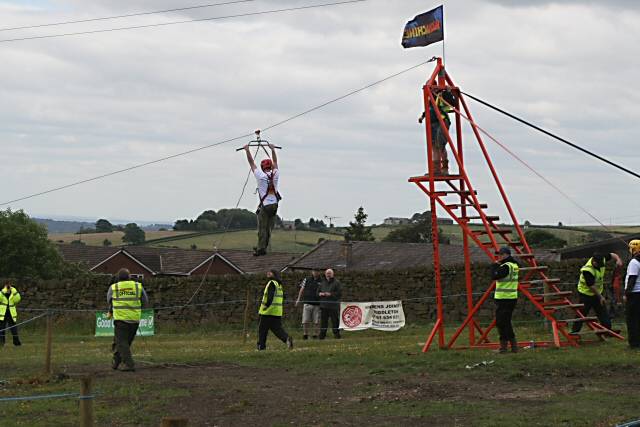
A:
[456,195]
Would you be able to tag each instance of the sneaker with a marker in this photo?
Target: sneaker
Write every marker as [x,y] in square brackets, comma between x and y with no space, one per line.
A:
[17,343]
[290,343]
[315,337]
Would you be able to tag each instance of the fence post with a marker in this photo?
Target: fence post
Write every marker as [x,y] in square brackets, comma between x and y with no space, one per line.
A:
[86,402]
[245,328]
[174,422]
[48,339]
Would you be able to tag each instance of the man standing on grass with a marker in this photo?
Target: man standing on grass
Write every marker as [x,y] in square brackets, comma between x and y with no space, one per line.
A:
[271,312]
[632,296]
[9,297]
[591,288]
[505,272]
[267,177]
[125,298]
[330,293]
[311,308]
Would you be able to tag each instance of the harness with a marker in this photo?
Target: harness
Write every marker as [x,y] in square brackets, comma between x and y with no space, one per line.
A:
[271,189]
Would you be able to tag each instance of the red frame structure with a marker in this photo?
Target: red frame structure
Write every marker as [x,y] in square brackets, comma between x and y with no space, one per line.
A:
[440,189]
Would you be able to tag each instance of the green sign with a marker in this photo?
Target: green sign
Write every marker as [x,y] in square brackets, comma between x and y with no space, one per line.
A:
[104,325]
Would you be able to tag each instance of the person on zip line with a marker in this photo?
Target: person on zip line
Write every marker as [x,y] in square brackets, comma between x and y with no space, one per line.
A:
[267,178]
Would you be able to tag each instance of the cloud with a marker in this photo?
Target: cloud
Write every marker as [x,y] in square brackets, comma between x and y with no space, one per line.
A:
[78,107]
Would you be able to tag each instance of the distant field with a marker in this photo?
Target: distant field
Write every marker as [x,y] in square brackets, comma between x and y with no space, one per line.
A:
[96,239]
[281,240]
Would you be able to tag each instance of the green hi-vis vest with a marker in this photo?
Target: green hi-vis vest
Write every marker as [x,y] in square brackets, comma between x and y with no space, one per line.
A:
[507,287]
[127,300]
[598,273]
[275,309]
[9,303]
[444,108]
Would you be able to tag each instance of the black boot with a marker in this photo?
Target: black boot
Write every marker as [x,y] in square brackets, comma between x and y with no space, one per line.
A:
[514,346]
[503,347]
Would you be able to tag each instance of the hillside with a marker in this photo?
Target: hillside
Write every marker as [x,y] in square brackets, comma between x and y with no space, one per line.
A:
[96,239]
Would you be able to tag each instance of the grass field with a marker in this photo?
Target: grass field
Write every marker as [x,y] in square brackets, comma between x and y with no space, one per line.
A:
[214,378]
[96,239]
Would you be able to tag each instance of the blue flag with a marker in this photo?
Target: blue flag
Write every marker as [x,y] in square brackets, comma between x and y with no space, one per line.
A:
[424,29]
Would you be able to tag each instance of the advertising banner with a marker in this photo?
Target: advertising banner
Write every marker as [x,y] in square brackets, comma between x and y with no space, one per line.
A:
[104,325]
[382,315]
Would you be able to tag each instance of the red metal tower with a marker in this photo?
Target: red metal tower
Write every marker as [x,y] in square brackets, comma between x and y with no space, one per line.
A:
[456,195]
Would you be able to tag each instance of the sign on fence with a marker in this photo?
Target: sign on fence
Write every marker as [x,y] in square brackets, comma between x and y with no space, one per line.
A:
[104,326]
[382,315]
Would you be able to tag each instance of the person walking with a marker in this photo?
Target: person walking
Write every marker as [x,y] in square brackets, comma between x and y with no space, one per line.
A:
[505,272]
[329,293]
[311,308]
[267,177]
[271,312]
[632,296]
[125,298]
[591,288]
[9,297]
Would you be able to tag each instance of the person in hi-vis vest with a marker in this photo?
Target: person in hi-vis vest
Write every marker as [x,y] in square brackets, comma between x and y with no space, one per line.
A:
[591,288]
[9,297]
[270,312]
[125,298]
[505,272]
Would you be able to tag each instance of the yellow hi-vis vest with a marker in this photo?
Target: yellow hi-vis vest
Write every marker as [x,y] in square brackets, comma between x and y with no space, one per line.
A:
[444,109]
[507,287]
[275,309]
[598,273]
[9,303]
[127,300]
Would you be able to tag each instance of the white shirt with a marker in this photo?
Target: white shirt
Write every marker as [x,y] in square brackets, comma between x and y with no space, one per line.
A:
[263,186]
[633,270]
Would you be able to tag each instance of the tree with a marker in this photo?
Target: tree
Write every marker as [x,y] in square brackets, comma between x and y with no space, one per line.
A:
[26,250]
[357,231]
[106,242]
[560,224]
[103,226]
[544,239]
[133,234]
[527,223]
[417,232]
[298,224]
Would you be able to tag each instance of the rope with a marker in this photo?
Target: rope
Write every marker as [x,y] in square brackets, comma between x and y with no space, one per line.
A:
[40,397]
[539,129]
[23,323]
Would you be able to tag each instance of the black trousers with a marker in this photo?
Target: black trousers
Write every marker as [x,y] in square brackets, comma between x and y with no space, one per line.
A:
[123,336]
[592,302]
[632,313]
[8,322]
[325,315]
[273,324]
[504,311]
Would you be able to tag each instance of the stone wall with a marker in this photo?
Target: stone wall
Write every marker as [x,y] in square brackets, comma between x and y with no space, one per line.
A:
[221,299]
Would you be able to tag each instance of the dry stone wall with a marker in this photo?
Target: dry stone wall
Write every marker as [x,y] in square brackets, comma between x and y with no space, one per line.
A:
[221,299]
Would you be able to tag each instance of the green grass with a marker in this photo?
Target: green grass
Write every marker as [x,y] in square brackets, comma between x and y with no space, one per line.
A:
[96,239]
[383,377]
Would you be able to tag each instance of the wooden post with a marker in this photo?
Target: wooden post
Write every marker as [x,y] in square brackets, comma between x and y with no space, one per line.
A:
[174,422]
[245,328]
[86,402]
[48,337]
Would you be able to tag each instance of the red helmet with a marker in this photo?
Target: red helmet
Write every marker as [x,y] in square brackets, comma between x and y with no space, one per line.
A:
[266,164]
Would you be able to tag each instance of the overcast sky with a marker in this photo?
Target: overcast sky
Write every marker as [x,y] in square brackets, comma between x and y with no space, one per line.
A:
[75,107]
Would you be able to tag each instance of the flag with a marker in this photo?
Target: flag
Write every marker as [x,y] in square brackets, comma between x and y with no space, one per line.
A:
[424,29]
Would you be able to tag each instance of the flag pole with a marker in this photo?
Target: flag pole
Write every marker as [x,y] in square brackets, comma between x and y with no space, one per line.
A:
[444,57]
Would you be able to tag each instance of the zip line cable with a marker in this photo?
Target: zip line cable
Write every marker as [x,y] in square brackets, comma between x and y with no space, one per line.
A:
[164,24]
[184,153]
[525,164]
[129,15]
[539,129]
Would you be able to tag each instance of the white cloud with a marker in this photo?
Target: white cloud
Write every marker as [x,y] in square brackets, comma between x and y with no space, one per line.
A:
[77,107]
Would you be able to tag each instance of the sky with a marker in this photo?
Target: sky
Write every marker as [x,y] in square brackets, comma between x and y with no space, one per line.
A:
[77,107]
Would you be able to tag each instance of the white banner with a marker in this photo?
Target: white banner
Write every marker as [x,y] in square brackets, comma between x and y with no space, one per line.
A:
[381,315]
